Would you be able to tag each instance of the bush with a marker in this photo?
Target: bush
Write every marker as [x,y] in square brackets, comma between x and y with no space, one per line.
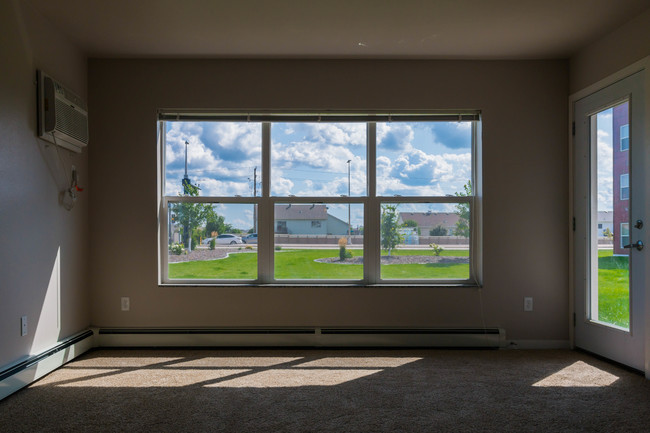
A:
[437,249]
[438,231]
[248,247]
[278,248]
[213,243]
[177,249]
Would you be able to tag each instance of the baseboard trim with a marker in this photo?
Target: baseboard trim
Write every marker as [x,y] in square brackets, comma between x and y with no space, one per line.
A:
[33,368]
[300,337]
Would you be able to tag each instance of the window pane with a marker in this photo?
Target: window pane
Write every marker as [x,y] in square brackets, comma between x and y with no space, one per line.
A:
[423,158]
[425,240]
[609,292]
[223,158]
[318,159]
[219,246]
[625,137]
[315,241]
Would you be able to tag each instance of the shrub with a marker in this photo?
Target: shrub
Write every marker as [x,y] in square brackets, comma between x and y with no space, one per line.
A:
[177,249]
[213,243]
[438,230]
[248,247]
[437,249]
[278,248]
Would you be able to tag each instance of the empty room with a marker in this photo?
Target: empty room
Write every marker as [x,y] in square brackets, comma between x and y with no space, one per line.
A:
[325,216]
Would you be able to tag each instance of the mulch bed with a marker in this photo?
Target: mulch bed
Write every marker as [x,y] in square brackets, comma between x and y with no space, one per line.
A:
[398,260]
[207,254]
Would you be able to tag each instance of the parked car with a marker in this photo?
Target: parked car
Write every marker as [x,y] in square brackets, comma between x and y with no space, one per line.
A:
[250,238]
[228,239]
[206,241]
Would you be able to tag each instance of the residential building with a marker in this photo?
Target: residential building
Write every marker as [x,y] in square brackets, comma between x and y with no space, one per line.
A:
[427,221]
[306,219]
[621,170]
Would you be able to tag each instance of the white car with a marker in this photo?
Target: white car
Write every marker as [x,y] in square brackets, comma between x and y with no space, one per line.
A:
[229,239]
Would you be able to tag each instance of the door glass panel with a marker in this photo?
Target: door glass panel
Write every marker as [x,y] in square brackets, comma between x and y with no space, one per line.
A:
[609,300]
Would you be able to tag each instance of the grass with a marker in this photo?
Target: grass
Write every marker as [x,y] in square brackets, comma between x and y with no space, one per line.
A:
[301,264]
[613,289]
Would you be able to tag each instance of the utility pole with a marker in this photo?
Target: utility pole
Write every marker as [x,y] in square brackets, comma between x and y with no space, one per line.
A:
[255,195]
[186,191]
[349,195]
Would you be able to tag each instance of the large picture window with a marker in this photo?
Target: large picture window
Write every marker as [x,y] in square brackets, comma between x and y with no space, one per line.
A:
[316,199]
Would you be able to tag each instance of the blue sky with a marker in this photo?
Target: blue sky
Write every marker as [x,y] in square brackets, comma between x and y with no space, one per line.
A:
[605,160]
[310,159]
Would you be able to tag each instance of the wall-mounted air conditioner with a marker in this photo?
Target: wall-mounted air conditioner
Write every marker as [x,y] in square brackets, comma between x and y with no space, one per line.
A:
[62,115]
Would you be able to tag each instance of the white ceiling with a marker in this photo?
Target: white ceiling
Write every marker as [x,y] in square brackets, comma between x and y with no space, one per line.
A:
[477,29]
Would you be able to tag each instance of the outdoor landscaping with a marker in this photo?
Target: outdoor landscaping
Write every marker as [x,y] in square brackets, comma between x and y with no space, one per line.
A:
[326,264]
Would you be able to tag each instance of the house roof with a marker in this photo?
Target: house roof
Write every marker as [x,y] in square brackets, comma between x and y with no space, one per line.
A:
[300,212]
[431,219]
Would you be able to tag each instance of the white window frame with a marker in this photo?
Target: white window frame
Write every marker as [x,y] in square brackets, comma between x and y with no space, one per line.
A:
[627,228]
[624,186]
[371,202]
[622,136]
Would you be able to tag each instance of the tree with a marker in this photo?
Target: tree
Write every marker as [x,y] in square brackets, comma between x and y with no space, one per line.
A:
[438,230]
[390,235]
[216,224]
[190,215]
[462,210]
[410,223]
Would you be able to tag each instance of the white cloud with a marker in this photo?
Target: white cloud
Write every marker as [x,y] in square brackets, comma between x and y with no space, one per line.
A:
[394,136]
[605,164]
[415,172]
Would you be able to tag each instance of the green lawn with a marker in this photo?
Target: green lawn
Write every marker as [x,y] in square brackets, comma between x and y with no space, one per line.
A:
[301,264]
[613,289]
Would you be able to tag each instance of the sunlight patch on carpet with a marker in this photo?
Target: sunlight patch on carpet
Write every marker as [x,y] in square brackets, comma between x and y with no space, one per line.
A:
[235,361]
[150,378]
[578,374]
[122,361]
[360,362]
[295,378]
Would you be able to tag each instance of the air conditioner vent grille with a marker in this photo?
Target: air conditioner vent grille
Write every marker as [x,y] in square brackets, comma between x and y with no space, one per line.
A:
[71,121]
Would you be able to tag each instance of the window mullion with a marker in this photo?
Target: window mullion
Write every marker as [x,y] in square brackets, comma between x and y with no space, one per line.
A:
[371,217]
[265,215]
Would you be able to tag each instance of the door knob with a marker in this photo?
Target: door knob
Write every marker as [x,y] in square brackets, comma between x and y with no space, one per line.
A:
[638,245]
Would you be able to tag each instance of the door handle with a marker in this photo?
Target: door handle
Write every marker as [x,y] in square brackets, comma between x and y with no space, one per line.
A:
[638,245]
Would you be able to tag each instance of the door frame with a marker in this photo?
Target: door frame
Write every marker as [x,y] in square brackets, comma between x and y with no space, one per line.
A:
[640,66]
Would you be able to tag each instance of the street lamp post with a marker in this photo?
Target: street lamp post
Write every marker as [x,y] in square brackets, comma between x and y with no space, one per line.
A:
[349,195]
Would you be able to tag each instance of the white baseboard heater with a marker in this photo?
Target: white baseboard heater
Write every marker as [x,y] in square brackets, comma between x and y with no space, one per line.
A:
[301,337]
[29,370]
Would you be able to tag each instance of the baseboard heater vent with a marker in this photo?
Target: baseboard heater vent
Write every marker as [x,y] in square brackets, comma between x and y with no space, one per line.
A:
[33,368]
[301,337]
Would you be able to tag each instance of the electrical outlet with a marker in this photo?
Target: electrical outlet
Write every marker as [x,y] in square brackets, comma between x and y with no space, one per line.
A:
[126,303]
[23,326]
[528,303]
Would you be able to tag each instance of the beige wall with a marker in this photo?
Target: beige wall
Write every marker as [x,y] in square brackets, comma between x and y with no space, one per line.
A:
[613,52]
[525,190]
[43,248]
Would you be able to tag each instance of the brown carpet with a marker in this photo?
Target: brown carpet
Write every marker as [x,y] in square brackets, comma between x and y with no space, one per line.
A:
[332,391]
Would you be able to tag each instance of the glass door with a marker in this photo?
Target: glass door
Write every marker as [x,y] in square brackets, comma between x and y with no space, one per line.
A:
[610,229]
